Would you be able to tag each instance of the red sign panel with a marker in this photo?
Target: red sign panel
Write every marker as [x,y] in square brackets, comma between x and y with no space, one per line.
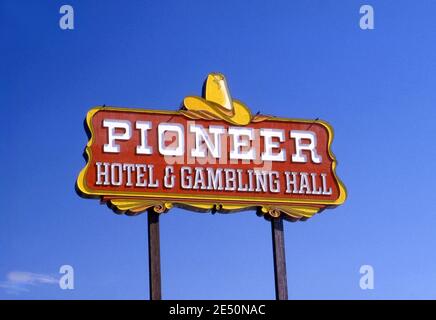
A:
[208,157]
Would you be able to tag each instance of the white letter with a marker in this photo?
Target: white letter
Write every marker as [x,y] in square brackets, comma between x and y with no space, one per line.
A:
[172,127]
[105,173]
[67,20]
[130,168]
[230,177]
[367,280]
[299,146]
[140,173]
[151,183]
[169,177]
[304,183]
[325,191]
[214,179]
[236,153]
[67,280]
[186,178]
[201,135]
[274,182]
[199,180]
[268,134]
[116,180]
[290,182]
[111,146]
[144,148]
[367,20]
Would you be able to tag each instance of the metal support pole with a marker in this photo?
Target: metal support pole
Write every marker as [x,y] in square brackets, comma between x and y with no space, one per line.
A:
[154,255]
[278,241]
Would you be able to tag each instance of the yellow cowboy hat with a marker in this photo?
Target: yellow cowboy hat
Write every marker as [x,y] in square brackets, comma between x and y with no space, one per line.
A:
[218,103]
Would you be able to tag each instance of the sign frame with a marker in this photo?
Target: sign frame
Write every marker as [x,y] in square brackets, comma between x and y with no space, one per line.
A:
[132,203]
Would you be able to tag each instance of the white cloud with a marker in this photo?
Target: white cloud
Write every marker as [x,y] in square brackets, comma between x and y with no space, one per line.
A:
[20,281]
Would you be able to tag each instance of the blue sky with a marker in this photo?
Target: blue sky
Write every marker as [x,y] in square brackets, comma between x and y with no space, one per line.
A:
[299,59]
